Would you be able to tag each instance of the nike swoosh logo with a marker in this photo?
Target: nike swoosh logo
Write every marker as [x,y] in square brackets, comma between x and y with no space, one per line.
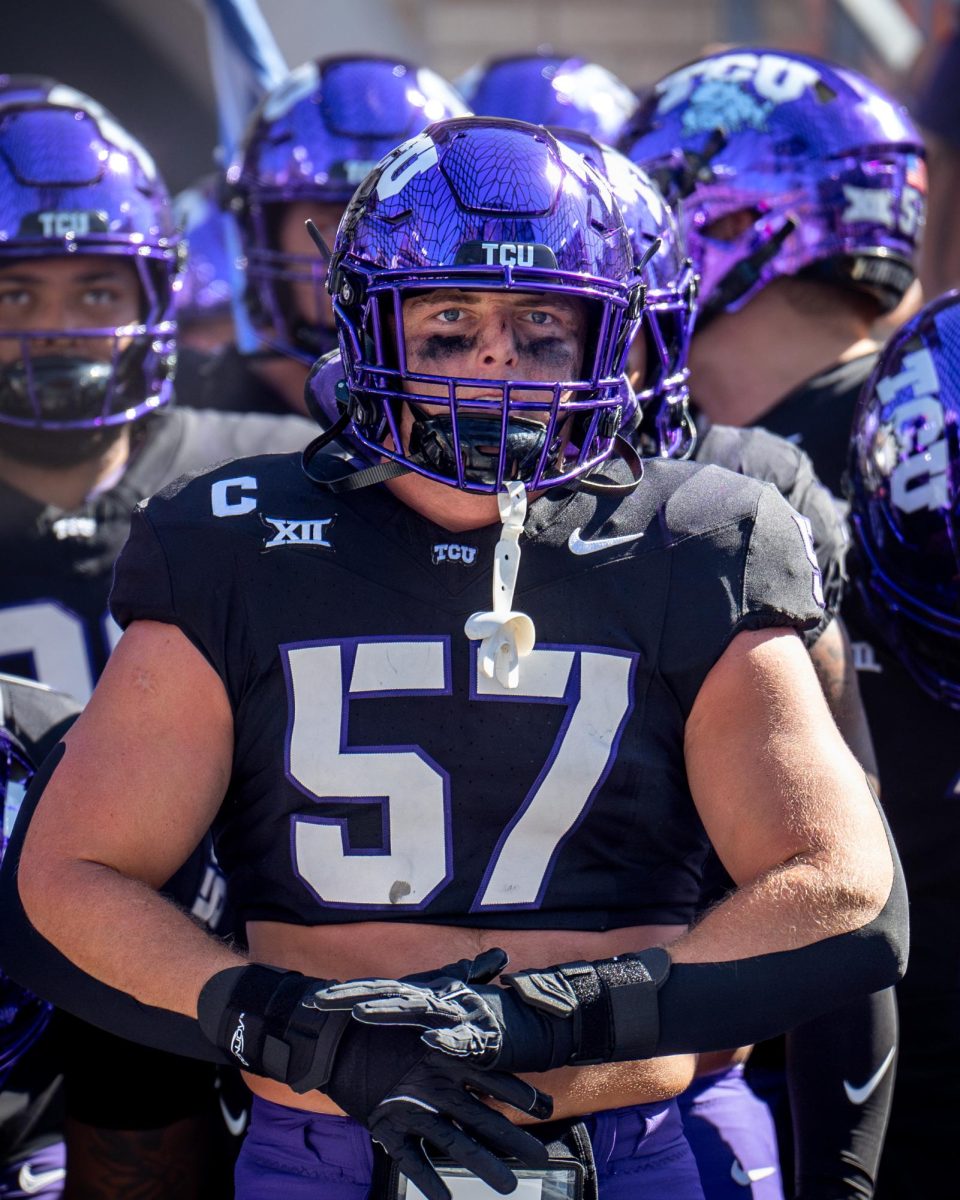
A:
[31,1184]
[235,1124]
[860,1095]
[754,1175]
[579,546]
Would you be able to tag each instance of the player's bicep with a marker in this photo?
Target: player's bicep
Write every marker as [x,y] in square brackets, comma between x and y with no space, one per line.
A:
[146,764]
[769,772]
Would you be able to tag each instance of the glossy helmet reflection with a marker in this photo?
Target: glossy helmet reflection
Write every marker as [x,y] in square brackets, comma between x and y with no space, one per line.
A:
[905,493]
[314,138]
[483,204]
[23,1017]
[551,90]
[829,168]
[73,182]
[204,290]
[671,290]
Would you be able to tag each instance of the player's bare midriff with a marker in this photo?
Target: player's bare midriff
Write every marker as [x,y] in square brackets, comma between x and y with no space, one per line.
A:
[392,950]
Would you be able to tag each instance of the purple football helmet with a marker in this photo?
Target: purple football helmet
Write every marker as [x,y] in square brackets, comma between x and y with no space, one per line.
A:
[23,1017]
[828,166]
[671,291]
[73,182]
[482,204]
[204,289]
[905,494]
[314,138]
[550,90]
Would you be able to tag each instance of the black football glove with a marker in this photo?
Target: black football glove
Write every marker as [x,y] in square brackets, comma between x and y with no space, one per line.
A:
[568,1014]
[400,1089]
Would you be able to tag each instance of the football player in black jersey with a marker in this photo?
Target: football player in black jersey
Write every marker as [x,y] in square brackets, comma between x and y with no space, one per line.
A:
[562,758]
[801,189]
[307,146]
[904,615]
[88,264]
[32,1155]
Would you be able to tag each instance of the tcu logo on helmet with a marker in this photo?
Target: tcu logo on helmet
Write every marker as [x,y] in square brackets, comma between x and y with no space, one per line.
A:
[62,224]
[773,77]
[508,254]
[919,480]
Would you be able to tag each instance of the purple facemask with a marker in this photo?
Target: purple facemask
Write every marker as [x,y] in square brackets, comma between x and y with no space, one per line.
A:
[483,205]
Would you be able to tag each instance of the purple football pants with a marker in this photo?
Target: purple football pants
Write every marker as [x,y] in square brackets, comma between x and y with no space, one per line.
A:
[290,1154]
[39,1176]
[732,1135]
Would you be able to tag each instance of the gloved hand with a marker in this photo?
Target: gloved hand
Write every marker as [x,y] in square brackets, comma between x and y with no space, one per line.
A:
[401,1090]
[468,1019]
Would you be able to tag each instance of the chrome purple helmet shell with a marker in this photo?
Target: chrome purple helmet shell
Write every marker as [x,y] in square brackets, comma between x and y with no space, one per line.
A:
[551,90]
[314,138]
[830,167]
[204,289]
[484,204]
[905,494]
[74,182]
[671,292]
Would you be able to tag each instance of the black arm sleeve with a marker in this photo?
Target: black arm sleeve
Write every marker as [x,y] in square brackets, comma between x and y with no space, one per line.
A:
[840,1072]
[35,963]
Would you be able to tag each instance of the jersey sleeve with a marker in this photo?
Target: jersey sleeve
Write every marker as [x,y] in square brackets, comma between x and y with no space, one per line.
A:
[172,569]
[782,580]
[830,539]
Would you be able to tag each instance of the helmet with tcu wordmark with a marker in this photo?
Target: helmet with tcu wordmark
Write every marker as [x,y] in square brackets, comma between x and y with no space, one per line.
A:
[483,204]
[663,391]
[904,488]
[314,138]
[826,169]
[23,1017]
[547,89]
[73,182]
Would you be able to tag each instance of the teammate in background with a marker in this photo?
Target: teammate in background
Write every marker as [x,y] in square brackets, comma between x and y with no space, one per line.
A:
[729,1128]
[547,89]
[32,1154]
[904,613]
[546,782]
[88,264]
[800,188]
[307,147]
[202,302]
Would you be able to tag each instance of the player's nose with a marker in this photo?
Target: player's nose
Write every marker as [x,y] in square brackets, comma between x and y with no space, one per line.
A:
[496,344]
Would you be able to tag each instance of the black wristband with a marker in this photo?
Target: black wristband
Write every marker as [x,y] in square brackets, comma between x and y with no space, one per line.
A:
[262,1017]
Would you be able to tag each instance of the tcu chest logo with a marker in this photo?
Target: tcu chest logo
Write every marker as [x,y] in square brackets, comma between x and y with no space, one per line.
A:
[451,552]
[309,532]
[919,480]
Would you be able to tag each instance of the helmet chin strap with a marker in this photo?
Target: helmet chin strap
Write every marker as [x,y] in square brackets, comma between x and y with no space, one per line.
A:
[505,636]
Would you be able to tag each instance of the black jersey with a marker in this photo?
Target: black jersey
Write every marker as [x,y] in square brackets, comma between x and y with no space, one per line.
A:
[818,414]
[31,1100]
[225,381]
[58,566]
[763,455]
[378,774]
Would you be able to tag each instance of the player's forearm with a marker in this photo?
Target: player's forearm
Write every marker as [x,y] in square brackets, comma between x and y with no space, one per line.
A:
[810,897]
[120,931]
